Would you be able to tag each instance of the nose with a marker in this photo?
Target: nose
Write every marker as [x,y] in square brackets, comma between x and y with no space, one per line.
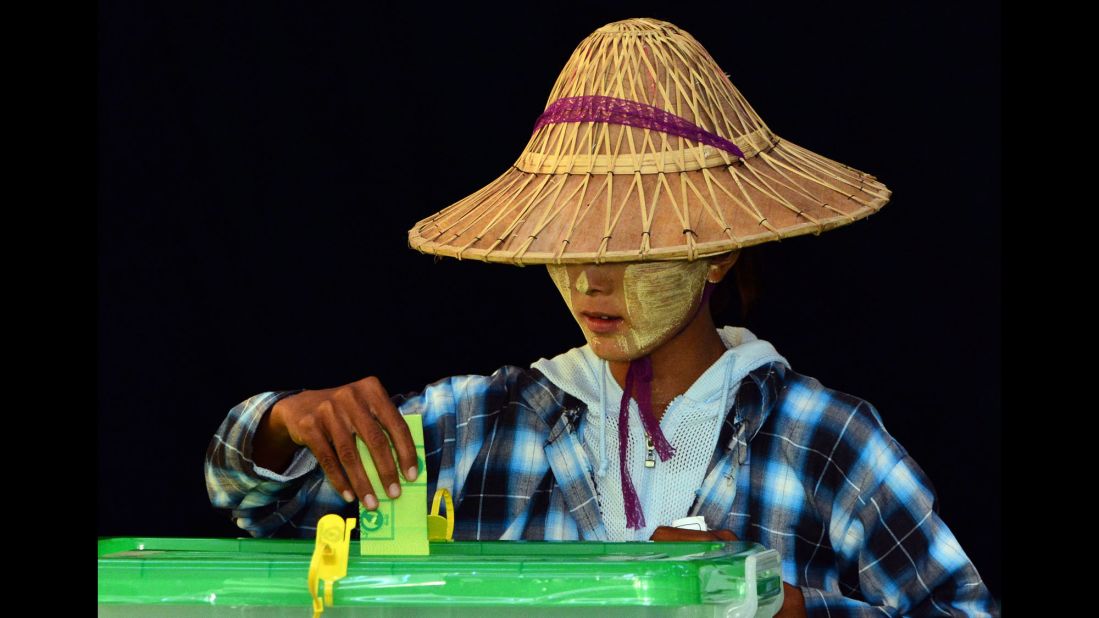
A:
[595,279]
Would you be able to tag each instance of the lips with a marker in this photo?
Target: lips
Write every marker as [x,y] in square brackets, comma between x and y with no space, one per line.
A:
[601,323]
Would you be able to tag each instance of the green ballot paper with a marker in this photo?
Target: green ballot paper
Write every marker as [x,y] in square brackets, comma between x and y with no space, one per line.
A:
[399,526]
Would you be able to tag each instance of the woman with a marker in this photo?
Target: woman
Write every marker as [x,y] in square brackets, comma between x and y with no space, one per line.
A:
[644,178]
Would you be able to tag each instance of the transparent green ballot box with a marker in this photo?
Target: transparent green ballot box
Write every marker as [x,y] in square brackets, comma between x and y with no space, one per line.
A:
[261,577]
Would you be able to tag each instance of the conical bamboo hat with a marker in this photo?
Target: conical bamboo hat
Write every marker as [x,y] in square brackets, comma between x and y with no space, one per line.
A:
[694,171]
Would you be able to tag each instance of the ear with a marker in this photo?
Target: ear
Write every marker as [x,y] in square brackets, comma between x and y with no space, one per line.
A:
[720,266]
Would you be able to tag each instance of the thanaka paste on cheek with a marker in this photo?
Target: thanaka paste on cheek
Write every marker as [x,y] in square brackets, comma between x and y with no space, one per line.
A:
[658,296]
[581,283]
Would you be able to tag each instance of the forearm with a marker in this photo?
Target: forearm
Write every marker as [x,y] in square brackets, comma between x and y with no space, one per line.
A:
[261,499]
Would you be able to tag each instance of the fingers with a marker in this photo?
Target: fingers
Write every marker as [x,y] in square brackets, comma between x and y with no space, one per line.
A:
[374,437]
[724,535]
[348,454]
[387,415]
[327,422]
[667,533]
[316,440]
[378,445]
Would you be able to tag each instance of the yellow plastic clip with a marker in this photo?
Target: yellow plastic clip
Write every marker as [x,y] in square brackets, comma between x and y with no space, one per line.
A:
[329,558]
[441,528]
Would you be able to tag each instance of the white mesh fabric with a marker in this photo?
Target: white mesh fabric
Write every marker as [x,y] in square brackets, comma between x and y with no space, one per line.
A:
[667,491]
[691,423]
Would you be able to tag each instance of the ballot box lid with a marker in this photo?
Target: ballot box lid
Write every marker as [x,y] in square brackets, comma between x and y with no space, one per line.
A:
[475,574]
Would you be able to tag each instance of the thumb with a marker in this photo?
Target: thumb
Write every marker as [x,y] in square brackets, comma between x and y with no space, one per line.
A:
[667,533]
[725,535]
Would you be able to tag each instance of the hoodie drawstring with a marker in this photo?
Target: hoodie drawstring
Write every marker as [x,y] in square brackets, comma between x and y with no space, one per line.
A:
[641,373]
[603,421]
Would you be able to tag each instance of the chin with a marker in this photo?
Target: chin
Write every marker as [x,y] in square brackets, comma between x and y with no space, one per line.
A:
[611,349]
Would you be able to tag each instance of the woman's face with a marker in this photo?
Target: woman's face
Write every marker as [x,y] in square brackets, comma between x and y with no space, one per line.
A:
[628,310]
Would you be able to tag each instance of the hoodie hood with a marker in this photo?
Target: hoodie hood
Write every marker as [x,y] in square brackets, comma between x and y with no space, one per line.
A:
[582,374]
[579,371]
[585,376]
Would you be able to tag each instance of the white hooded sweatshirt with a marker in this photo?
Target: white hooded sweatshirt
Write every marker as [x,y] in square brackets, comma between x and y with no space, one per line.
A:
[691,422]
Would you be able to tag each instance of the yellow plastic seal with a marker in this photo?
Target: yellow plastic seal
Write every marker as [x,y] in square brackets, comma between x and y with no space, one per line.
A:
[441,528]
[329,561]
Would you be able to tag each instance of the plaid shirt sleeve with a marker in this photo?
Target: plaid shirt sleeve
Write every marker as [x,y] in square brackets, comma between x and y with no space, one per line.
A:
[270,504]
[462,427]
[868,539]
[909,563]
[263,502]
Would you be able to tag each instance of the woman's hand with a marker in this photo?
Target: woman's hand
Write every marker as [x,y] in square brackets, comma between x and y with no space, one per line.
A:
[326,422]
[667,533]
[793,602]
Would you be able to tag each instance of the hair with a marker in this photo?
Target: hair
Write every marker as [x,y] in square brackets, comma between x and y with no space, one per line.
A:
[745,277]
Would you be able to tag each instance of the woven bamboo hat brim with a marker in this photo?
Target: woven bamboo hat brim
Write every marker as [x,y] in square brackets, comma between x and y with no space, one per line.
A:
[592,191]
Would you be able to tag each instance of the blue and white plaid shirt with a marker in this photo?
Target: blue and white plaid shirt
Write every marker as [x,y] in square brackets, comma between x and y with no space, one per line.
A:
[821,481]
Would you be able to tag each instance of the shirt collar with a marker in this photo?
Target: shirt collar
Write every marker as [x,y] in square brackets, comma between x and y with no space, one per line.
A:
[579,371]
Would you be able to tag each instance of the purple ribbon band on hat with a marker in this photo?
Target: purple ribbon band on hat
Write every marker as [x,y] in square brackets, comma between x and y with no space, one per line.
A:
[612,110]
[639,378]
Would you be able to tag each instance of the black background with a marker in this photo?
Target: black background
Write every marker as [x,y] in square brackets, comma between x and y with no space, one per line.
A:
[260,164]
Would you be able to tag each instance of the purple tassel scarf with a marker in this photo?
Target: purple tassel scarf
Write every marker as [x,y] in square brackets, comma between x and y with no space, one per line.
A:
[639,377]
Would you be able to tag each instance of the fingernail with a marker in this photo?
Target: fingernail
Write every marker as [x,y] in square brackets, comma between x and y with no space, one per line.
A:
[394,490]
[348,496]
[412,473]
[370,502]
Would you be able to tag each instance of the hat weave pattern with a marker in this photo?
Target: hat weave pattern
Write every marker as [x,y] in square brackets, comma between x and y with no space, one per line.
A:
[658,177]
